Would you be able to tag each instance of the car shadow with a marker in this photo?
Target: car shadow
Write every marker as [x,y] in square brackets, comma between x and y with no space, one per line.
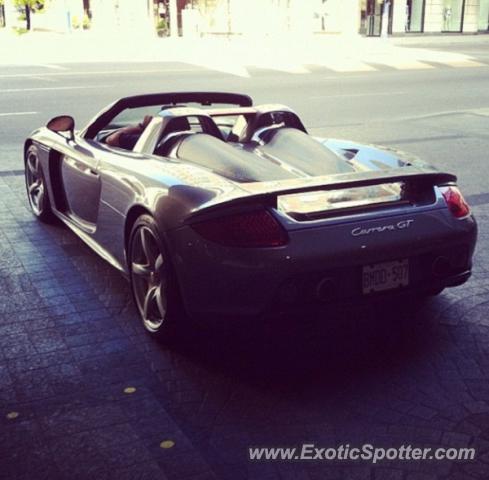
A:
[323,349]
[326,348]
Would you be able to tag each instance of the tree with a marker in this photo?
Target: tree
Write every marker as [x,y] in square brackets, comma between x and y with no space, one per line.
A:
[27,7]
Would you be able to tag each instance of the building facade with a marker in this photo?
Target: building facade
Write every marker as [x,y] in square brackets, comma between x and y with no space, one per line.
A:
[276,16]
[366,17]
[424,16]
[262,17]
[73,15]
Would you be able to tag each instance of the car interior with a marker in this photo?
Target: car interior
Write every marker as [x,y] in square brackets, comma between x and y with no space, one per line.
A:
[222,140]
[258,128]
[238,125]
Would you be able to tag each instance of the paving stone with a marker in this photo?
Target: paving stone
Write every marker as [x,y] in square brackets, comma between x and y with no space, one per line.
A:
[388,474]
[140,471]
[70,343]
[69,421]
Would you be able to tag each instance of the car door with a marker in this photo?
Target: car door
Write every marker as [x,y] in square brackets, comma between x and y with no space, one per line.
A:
[82,186]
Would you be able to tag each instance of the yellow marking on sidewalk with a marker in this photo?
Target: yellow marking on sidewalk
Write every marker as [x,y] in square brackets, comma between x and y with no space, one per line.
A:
[129,390]
[165,444]
[12,415]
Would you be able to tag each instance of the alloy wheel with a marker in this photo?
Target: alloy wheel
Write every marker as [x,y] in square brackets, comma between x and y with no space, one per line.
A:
[149,278]
[35,183]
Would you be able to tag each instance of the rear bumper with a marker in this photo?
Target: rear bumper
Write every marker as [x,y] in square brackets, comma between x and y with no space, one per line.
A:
[454,280]
[318,267]
[405,294]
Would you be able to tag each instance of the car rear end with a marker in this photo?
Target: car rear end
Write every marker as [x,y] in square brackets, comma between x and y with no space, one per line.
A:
[345,241]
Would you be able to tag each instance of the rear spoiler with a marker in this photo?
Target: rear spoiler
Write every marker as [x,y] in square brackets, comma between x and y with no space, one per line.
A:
[267,193]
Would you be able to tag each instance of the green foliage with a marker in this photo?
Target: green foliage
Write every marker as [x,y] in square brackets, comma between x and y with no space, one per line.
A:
[86,22]
[32,4]
[162,27]
[28,7]
[20,30]
[75,22]
[162,24]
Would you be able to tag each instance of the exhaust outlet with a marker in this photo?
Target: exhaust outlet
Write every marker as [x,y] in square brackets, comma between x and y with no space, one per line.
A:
[441,266]
[325,289]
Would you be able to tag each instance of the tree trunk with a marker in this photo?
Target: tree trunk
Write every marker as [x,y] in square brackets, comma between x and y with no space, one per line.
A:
[173,18]
[28,17]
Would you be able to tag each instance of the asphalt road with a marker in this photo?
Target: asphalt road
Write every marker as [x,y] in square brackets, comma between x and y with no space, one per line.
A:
[440,114]
[84,393]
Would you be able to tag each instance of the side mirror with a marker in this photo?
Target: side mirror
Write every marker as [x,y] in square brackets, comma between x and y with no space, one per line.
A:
[63,123]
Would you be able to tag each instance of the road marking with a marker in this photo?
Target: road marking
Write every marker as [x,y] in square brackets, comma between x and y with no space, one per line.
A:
[441,113]
[409,65]
[463,63]
[11,114]
[480,111]
[436,138]
[280,65]
[41,89]
[337,65]
[45,79]
[98,72]
[347,65]
[398,62]
[51,66]
[230,67]
[319,129]
[366,94]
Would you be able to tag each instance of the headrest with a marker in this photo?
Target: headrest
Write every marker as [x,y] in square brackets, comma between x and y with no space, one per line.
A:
[179,124]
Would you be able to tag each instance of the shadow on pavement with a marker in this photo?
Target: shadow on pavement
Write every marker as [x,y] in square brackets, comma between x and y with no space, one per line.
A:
[315,351]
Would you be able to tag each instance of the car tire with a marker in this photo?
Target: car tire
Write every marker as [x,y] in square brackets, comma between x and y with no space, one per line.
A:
[36,187]
[154,284]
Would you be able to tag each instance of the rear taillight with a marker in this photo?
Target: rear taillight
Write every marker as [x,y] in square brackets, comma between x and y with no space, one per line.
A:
[455,201]
[248,229]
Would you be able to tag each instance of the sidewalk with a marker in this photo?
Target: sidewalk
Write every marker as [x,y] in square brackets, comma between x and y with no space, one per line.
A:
[441,39]
[347,53]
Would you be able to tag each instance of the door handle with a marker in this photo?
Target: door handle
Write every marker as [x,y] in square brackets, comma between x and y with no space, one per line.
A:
[81,167]
[89,172]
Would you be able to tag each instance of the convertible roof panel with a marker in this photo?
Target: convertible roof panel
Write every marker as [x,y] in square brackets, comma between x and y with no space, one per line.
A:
[204,98]
[174,98]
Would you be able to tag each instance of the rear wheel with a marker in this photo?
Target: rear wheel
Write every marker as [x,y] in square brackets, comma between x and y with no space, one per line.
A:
[36,186]
[153,281]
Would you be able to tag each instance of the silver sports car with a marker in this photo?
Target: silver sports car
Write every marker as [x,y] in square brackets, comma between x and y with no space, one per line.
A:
[210,205]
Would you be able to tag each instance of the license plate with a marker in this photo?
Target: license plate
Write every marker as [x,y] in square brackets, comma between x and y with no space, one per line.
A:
[385,276]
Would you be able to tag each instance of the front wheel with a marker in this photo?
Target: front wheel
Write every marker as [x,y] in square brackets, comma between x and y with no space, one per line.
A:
[36,186]
[153,281]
